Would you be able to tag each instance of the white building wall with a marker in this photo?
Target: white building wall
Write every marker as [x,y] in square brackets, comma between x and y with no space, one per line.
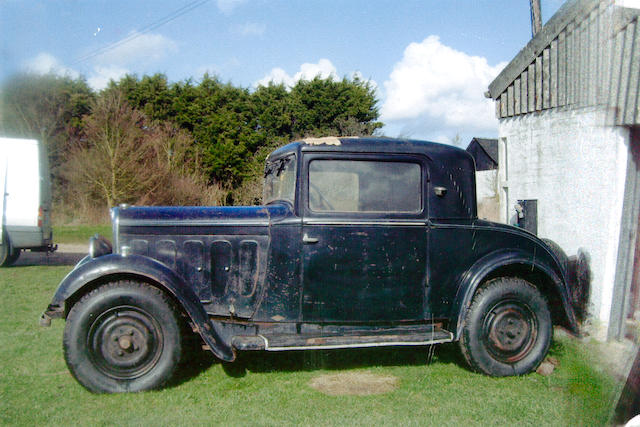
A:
[575,167]
[487,195]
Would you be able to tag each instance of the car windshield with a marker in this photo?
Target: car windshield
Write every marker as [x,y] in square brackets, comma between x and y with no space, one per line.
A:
[280,180]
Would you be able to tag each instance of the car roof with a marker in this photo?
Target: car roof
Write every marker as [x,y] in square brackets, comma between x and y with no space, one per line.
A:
[432,150]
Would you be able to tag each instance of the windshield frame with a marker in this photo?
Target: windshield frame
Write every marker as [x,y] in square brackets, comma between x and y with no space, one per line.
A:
[275,168]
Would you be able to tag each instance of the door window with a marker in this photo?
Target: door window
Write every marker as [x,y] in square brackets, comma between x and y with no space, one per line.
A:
[364,186]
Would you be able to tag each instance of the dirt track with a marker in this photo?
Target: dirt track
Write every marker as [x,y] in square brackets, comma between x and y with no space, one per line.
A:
[65,255]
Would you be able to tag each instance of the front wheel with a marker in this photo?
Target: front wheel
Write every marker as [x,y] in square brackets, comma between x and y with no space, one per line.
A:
[507,330]
[123,337]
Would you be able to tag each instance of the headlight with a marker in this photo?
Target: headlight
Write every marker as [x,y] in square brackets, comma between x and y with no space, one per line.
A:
[99,246]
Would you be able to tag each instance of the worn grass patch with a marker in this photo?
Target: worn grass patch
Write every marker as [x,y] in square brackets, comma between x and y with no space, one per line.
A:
[354,383]
[273,388]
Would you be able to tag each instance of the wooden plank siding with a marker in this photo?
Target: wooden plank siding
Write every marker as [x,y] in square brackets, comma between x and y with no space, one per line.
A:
[588,54]
[629,112]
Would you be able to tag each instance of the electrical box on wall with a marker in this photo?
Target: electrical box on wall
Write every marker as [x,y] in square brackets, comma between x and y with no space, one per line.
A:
[527,215]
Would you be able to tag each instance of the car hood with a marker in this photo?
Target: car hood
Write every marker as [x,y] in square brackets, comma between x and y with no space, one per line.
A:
[197,215]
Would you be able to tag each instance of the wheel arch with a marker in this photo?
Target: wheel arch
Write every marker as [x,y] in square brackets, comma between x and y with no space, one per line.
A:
[92,273]
[542,273]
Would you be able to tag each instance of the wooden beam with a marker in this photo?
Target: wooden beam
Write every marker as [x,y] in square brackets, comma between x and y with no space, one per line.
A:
[624,71]
[531,88]
[539,83]
[571,64]
[546,77]
[510,109]
[562,69]
[553,74]
[632,91]
[523,92]
[516,97]
[616,71]
[503,105]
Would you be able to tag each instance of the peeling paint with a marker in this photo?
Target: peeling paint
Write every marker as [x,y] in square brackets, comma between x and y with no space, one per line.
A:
[329,140]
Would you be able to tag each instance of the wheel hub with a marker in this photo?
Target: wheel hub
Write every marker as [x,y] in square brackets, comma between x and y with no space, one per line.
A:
[510,331]
[125,342]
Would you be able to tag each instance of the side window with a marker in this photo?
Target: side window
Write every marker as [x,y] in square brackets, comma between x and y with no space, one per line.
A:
[364,186]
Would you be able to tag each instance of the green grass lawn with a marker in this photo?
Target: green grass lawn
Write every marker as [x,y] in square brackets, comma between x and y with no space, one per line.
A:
[273,388]
[79,233]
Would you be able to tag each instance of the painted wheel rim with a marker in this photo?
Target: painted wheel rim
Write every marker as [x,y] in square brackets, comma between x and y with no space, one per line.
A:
[125,342]
[510,329]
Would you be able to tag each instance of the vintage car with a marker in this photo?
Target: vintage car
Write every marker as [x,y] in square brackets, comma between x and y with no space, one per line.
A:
[361,242]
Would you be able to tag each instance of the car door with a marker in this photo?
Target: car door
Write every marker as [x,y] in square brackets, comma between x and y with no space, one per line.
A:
[364,238]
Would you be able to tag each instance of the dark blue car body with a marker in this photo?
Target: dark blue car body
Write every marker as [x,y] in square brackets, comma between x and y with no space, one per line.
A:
[286,276]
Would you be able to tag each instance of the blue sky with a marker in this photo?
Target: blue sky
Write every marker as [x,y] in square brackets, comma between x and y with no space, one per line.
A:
[431,61]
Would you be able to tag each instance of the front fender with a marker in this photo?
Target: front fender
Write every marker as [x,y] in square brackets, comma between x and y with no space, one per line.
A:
[493,261]
[89,270]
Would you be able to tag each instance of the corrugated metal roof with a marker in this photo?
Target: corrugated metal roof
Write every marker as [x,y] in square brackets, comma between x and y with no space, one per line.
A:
[588,54]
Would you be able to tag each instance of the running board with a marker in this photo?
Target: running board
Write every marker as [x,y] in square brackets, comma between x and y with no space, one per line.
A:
[318,342]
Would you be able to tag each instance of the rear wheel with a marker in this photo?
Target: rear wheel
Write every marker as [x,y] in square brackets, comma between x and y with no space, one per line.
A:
[8,255]
[123,337]
[13,256]
[507,330]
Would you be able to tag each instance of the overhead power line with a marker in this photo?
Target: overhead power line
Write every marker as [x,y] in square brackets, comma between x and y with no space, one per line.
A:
[139,32]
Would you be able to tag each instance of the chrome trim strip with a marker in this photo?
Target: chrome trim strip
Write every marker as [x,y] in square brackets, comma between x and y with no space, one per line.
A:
[419,223]
[382,344]
[371,344]
[191,223]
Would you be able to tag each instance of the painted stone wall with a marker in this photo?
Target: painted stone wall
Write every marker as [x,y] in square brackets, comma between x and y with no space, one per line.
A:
[575,167]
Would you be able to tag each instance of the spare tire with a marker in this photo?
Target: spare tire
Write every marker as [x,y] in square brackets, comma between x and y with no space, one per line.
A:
[562,257]
[580,283]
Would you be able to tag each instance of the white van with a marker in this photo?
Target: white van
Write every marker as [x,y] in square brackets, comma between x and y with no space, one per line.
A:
[25,199]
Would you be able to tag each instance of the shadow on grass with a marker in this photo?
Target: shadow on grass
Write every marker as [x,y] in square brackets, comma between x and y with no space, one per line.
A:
[194,362]
[199,361]
[311,360]
[30,259]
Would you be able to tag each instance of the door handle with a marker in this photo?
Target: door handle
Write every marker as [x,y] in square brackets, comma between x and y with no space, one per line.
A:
[309,240]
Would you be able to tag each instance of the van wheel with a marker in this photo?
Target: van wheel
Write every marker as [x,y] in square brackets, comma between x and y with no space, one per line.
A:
[8,255]
[507,330]
[13,256]
[123,337]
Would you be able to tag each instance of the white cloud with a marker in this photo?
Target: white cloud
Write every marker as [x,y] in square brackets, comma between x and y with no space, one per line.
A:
[227,6]
[98,77]
[45,63]
[308,71]
[435,90]
[102,75]
[251,29]
[138,49]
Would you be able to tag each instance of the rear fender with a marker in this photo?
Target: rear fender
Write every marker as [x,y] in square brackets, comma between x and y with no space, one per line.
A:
[485,266]
[91,272]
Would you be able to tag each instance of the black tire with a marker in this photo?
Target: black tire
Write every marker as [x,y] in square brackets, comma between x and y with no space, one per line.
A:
[507,330]
[13,256]
[123,337]
[8,255]
[4,253]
